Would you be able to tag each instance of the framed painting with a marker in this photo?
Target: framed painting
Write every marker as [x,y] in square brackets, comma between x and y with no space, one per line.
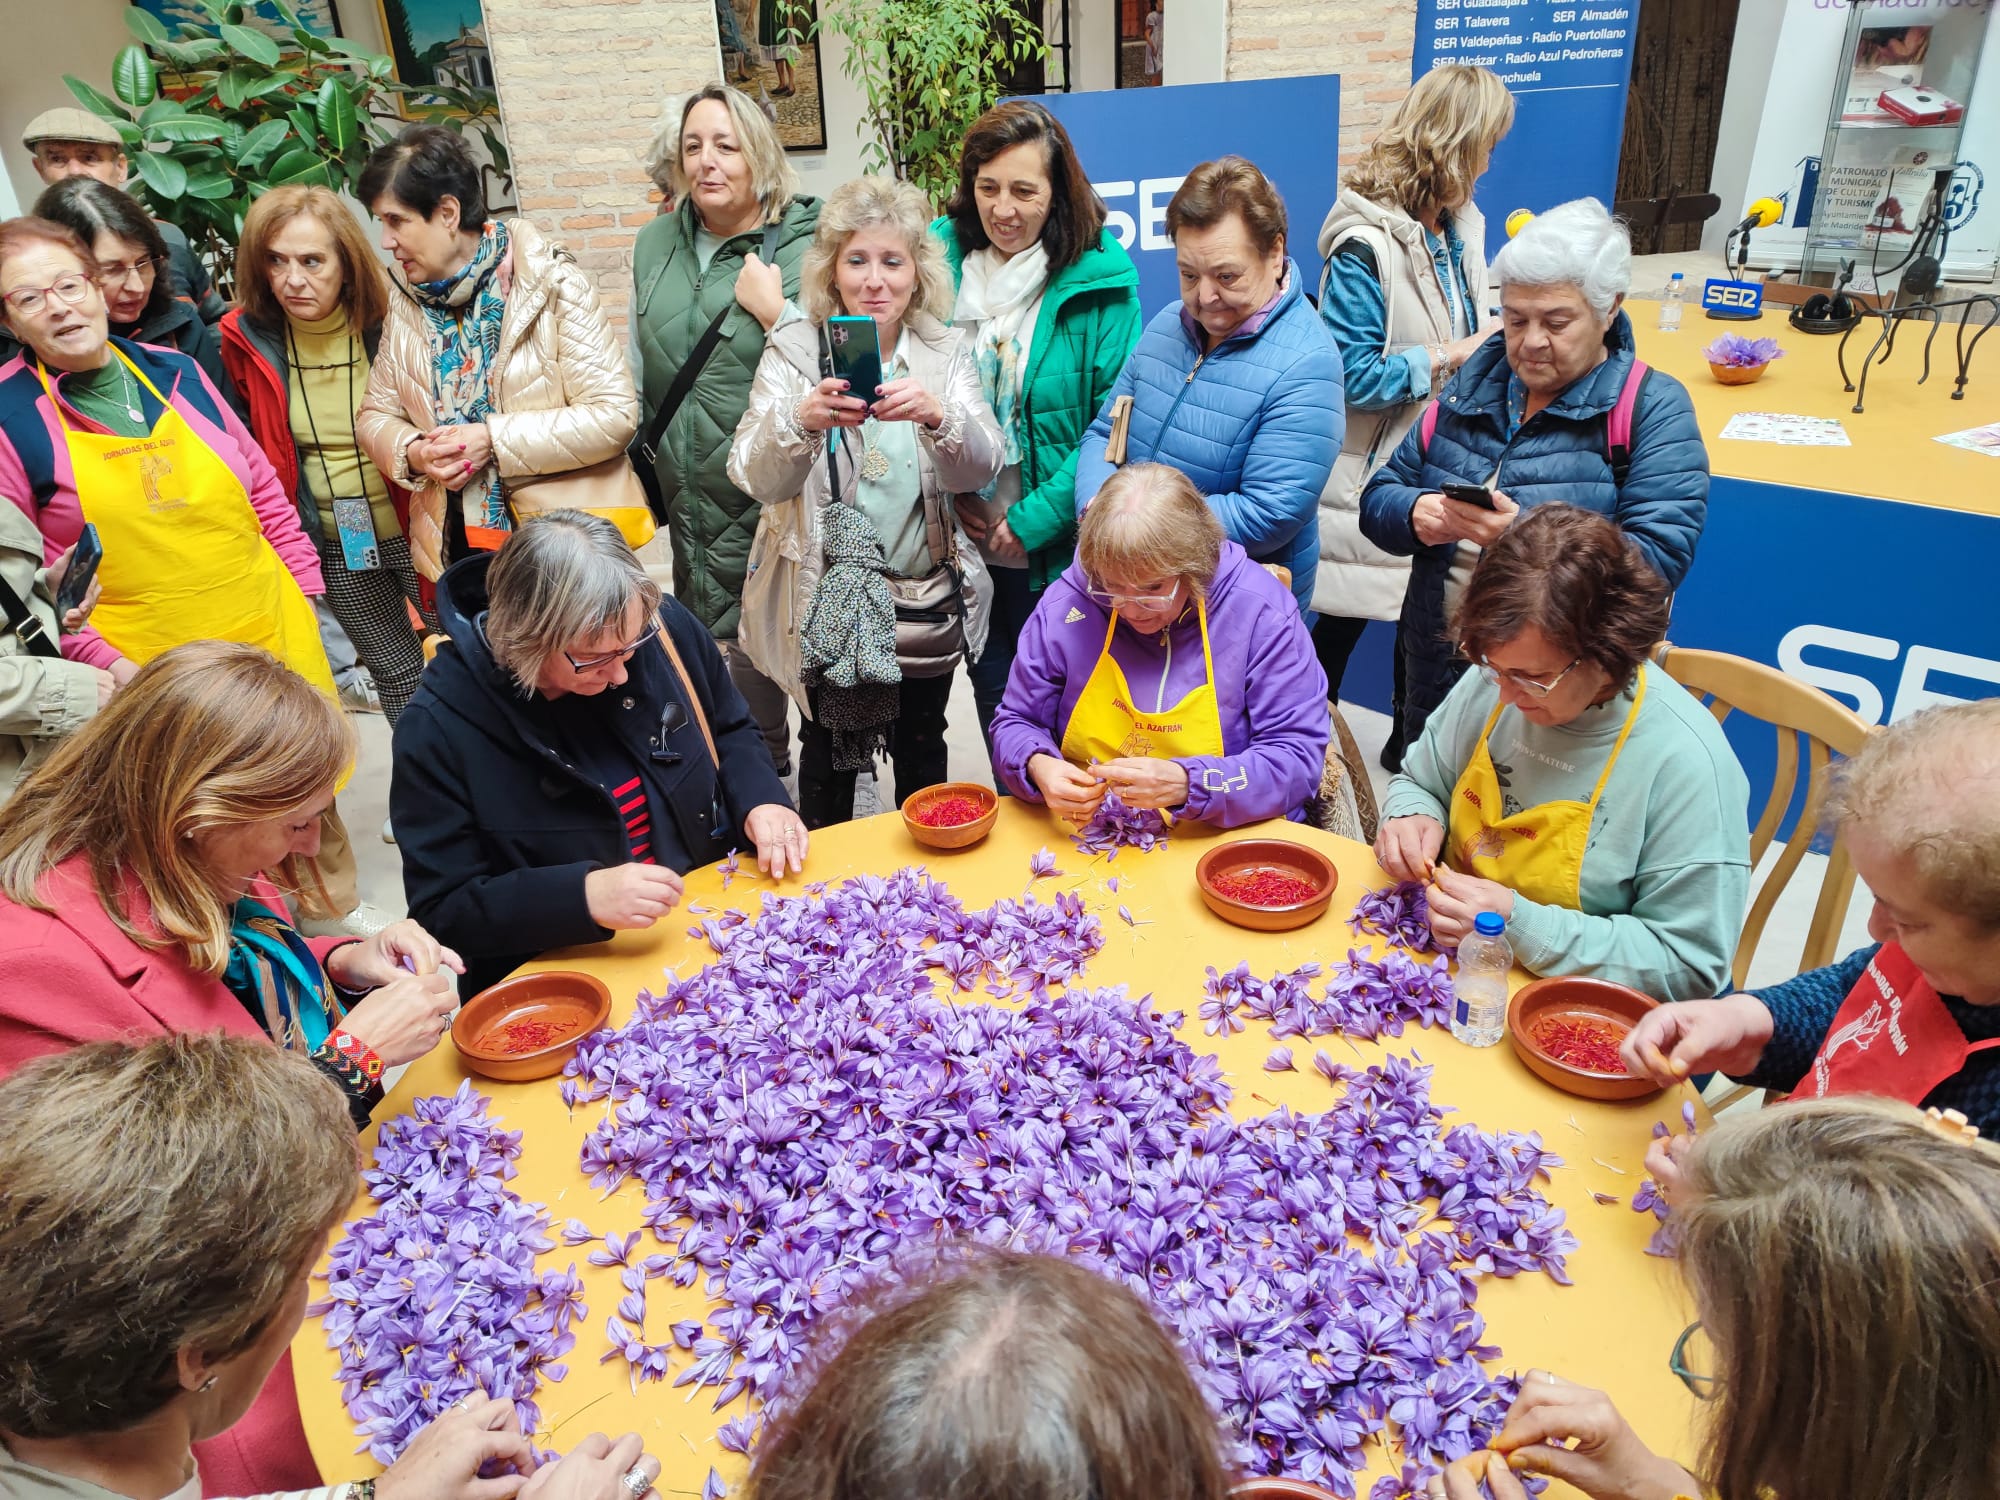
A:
[769,52]
[442,44]
[317,16]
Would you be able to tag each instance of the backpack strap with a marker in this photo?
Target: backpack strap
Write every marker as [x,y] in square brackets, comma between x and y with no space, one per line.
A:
[1618,423]
[1427,426]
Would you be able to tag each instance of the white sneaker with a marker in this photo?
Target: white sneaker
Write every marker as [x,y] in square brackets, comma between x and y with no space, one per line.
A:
[388,833]
[358,695]
[363,922]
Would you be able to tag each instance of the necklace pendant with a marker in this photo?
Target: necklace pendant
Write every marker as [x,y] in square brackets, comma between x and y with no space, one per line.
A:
[874,464]
[135,414]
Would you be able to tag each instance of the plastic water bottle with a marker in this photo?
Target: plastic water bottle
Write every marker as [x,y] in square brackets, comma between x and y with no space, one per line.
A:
[1672,303]
[1479,1014]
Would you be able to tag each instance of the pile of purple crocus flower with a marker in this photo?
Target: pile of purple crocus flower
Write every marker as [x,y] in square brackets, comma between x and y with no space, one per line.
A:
[1401,913]
[1115,826]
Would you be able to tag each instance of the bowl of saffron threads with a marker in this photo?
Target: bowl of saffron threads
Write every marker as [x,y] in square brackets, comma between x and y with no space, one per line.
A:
[1267,885]
[529,1026]
[951,815]
[1568,1030]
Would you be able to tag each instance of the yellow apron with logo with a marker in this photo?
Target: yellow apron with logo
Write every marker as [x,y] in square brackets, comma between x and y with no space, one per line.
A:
[1105,724]
[1538,852]
[185,558]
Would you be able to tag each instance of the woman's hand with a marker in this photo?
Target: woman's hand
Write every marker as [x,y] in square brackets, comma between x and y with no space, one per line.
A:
[827,405]
[1604,1457]
[435,458]
[595,1469]
[1437,520]
[1003,544]
[474,447]
[1671,1042]
[1666,1164]
[1458,351]
[971,516]
[1456,901]
[1407,847]
[444,1460]
[379,959]
[402,1021]
[1069,792]
[123,670]
[631,896]
[780,836]
[106,685]
[760,290]
[75,619]
[1143,781]
[906,401]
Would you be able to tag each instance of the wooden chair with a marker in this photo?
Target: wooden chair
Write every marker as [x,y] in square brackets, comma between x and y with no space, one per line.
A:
[1796,711]
[1345,802]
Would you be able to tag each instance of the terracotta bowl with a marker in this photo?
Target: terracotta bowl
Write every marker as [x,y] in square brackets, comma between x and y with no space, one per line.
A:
[1737,374]
[576,1002]
[1278,1489]
[1245,855]
[958,835]
[1576,999]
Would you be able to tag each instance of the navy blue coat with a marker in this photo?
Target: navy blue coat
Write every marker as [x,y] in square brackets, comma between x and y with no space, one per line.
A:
[1256,423]
[1559,454]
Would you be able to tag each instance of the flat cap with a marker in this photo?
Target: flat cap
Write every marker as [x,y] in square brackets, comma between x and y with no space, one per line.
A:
[71,124]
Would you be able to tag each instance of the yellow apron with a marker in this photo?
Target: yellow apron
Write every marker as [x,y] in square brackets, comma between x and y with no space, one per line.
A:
[1106,725]
[1538,852]
[185,558]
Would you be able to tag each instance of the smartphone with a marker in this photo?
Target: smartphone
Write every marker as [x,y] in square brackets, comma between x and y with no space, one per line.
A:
[1468,494]
[857,355]
[82,568]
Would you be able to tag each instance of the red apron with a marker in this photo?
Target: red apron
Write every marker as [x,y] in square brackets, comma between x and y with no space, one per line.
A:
[1892,1037]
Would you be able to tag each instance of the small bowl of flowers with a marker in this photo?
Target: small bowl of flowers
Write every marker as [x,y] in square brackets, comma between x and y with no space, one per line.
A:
[1735,360]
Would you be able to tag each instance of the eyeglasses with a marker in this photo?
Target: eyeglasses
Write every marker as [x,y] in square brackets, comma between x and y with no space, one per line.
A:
[26,301]
[1703,1385]
[1497,675]
[1112,600]
[592,663]
[116,273]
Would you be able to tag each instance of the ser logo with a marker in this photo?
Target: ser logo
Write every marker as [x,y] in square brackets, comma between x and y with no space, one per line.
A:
[1721,298]
[1150,227]
[1913,685]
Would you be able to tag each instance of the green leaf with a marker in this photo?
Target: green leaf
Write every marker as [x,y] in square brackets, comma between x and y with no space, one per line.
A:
[293,162]
[303,123]
[309,41]
[187,128]
[218,10]
[96,103]
[205,52]
[164,177]
[315,175]
[260,142]
[144,25]
[252,44]
[285,14]
[335,112]
[234,86]
[163,109]
[211,182]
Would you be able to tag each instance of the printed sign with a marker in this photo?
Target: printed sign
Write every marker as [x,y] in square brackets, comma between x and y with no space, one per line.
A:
[1732,299]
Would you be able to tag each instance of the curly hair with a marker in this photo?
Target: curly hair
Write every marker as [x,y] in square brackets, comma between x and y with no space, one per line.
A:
[1437,141]
[868,203]
[1573,575]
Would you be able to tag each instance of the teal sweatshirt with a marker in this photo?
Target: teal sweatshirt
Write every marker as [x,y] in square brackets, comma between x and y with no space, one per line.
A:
[1666,871]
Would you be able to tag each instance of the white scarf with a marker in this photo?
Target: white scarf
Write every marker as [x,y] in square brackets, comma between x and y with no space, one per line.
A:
[998,302]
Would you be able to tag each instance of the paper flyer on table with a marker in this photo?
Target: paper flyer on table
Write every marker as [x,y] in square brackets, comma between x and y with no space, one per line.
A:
[1975,439]
[1781,427]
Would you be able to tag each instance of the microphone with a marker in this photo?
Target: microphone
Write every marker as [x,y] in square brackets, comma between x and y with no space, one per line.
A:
[1762,215]
[1518,220]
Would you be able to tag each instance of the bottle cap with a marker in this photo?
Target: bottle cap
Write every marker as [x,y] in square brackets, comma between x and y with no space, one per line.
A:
[1677,276]
[1489,924]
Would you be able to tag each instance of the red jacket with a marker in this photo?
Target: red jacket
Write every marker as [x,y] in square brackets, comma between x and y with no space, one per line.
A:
[70,976]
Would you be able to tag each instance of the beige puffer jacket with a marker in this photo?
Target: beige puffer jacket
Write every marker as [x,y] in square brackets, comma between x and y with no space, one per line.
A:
[562,394]
[41,699]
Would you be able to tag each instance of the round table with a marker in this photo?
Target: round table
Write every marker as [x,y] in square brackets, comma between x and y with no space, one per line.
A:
[1613,1329]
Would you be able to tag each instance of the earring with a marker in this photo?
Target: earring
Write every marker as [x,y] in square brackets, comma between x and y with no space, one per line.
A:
[209,1384]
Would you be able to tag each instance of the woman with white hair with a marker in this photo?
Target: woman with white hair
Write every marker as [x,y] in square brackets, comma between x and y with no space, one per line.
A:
[896,596]
[575,747]
[736,200]
[1562,409]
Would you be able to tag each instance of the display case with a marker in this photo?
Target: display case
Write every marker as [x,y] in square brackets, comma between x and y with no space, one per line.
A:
[1893,128]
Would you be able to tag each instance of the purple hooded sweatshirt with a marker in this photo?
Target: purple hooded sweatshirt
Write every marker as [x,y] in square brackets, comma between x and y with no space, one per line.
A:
[1268,685]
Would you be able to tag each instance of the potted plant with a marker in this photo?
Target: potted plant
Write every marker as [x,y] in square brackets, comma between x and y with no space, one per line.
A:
[1735,360]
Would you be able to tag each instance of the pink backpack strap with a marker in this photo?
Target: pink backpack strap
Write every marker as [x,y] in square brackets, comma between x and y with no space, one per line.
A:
[1427,426]
[1618,426]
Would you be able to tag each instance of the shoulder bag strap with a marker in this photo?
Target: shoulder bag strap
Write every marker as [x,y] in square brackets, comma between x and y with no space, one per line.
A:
[687,686]
[26,626]
[691,367]
[1618,424]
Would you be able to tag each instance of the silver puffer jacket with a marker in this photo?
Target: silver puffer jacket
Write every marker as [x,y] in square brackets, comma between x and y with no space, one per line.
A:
[774,459]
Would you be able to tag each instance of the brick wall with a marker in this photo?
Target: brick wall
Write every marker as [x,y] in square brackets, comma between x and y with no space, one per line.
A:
[581,84]
[1368,44]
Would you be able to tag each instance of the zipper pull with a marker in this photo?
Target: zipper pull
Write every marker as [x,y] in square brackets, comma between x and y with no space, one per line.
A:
[1197,365]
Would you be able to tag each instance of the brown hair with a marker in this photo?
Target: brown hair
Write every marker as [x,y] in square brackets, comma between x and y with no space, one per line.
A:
[91,208]
[1149,521]
[1843,1256]
[1023,1366]
[1578,579]
[1229,185]
[209,735]
[155,1197]
[1931,784]
[1437,141]
[364,290]
[1076,213]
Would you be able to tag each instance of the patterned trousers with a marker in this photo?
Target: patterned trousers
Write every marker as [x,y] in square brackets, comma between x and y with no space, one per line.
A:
[371,608]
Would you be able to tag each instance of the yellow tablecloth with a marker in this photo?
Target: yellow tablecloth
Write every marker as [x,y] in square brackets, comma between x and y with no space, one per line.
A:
[1612,1329]
[1893,456]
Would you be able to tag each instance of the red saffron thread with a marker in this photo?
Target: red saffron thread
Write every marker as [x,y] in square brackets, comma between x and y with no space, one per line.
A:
[948,812]
[1260,886]
[1588,1045]
[526,1035]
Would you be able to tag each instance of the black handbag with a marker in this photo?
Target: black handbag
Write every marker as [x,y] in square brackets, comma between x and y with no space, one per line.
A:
[31,631]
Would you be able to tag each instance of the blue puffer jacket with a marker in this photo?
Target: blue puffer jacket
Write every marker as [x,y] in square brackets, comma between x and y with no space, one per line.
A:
[1255,423]
[1560,453]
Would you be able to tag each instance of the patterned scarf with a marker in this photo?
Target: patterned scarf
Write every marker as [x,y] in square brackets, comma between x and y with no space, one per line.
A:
[464,313]
[848,648]
[275,975]
[998,301]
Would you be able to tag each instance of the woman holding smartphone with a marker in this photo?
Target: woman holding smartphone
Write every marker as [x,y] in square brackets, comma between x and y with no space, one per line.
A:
[876,469]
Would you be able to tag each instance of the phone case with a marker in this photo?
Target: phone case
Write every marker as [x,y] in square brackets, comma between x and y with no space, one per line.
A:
[857,354]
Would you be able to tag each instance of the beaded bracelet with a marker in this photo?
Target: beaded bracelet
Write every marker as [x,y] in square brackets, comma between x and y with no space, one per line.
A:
[359,1053]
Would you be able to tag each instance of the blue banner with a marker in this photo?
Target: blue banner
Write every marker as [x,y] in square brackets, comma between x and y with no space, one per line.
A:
[1567,66]
[1137,145]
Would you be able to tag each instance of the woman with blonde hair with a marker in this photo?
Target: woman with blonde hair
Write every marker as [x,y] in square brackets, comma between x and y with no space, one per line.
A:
[736,204]
[140,875]
[1404,292]
[310,299]
[1841,1255]
[1166,666]
[897,596]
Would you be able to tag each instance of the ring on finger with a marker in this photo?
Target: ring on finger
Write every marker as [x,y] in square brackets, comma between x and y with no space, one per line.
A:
[636,1480]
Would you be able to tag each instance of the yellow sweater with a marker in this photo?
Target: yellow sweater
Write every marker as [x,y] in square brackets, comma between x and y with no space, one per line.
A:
[329,378]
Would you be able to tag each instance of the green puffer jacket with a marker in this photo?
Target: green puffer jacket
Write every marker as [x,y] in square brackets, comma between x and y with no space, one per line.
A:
[1088,324]
[710,520]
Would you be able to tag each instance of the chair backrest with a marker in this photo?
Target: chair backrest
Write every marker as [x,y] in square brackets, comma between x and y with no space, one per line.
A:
[1345,801]
[1796,711]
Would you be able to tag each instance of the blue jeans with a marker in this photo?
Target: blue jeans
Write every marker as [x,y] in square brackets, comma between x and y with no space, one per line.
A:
[1013,602]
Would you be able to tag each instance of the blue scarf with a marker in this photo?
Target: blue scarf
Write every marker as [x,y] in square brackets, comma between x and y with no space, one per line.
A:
[276,976]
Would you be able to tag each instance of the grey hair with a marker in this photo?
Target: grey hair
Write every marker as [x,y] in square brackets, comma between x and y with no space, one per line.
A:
[1577,244]
[564,576]
[771,176]
[664,149]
